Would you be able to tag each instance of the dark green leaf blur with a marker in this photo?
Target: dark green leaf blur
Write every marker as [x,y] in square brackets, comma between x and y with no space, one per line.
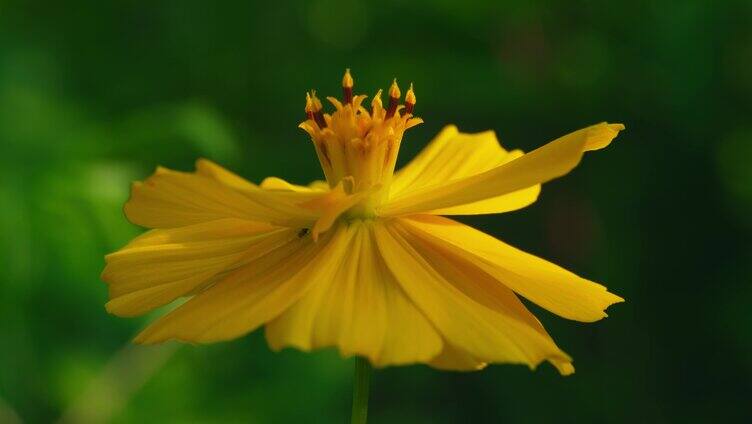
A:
[96,94]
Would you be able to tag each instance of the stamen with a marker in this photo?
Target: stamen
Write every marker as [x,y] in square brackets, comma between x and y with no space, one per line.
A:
[394,95]
[308,106]
[317,109]
[376,105]
[347,86]
[357,144]
[409,100]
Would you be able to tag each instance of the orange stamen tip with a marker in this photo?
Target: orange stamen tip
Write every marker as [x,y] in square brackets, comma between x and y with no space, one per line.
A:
[409,101]
[410,96]
[347,87]
[347,80]
[394,91]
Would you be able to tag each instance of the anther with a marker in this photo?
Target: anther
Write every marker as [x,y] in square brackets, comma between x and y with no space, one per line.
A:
[309,106]
[317,110]
[347,86]
[409,100]
[376,104]
[394,95]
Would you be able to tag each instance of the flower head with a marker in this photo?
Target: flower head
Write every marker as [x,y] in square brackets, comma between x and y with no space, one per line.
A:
[364,262]
[356,147]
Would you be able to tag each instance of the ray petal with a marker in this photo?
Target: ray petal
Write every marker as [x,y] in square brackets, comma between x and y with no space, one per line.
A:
[485,334]
[451,156]
[460,195]
[540,281]
[478,285]
[162,265]
[254,294]
[170,199]
[362,311]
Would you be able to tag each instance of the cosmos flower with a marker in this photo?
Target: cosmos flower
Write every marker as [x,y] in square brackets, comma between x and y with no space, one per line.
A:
[365,262]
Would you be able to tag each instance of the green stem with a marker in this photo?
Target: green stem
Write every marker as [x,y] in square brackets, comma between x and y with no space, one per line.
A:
[360,391]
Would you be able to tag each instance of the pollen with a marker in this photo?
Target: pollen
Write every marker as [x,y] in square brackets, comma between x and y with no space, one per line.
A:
[355,144]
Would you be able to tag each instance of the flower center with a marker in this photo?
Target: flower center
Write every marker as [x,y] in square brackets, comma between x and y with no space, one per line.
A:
[356,146]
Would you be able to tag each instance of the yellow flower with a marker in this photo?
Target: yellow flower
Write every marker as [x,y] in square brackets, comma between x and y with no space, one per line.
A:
[365,261]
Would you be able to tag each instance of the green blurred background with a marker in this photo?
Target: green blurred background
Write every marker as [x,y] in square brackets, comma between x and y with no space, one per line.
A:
[94,95]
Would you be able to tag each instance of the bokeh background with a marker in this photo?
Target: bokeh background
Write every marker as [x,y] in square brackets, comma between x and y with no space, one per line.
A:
[94,95]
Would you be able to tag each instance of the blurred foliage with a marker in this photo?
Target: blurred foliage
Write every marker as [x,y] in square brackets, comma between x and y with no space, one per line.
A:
[94,95]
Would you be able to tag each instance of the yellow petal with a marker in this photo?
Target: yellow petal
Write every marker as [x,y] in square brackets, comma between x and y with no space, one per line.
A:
[162,265]
[209,169]
[345,311]
[454,359]
[171,199]
[505,203]
[283,198]
[486,334]
[362,311]
[253,294]
[274,183]
[451,156]
[539,166]
[409,337]
[479,286]
[542,282]
[319,185]
[330,205]
[499,204]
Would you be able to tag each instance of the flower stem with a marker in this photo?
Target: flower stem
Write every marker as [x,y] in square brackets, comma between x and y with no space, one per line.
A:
[360,391]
